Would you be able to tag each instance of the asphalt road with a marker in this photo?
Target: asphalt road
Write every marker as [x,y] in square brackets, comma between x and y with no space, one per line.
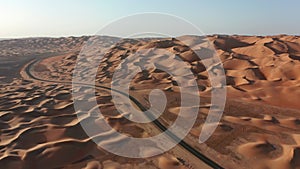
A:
[156,122]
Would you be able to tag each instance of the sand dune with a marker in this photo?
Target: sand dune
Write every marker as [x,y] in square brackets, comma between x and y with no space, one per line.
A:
[259,129]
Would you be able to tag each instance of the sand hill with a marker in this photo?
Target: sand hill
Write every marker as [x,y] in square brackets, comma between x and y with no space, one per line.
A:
[260,127]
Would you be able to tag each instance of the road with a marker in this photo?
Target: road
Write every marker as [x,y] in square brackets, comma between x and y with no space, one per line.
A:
[27,70]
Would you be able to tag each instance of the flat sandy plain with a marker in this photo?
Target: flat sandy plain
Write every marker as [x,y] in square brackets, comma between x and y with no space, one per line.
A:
[260,127]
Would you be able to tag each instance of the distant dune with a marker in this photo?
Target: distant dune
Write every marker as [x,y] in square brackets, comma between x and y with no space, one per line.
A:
[260,127]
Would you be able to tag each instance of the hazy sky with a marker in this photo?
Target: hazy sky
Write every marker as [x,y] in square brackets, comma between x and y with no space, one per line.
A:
[32,18]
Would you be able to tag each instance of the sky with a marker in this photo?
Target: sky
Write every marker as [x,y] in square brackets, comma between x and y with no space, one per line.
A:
[56,18]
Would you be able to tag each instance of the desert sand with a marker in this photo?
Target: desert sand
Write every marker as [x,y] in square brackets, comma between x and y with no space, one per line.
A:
[260,127]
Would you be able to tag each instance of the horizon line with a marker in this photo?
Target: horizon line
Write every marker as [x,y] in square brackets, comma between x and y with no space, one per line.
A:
[90,35]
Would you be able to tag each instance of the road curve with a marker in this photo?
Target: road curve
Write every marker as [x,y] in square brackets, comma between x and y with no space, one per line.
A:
[186,146]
